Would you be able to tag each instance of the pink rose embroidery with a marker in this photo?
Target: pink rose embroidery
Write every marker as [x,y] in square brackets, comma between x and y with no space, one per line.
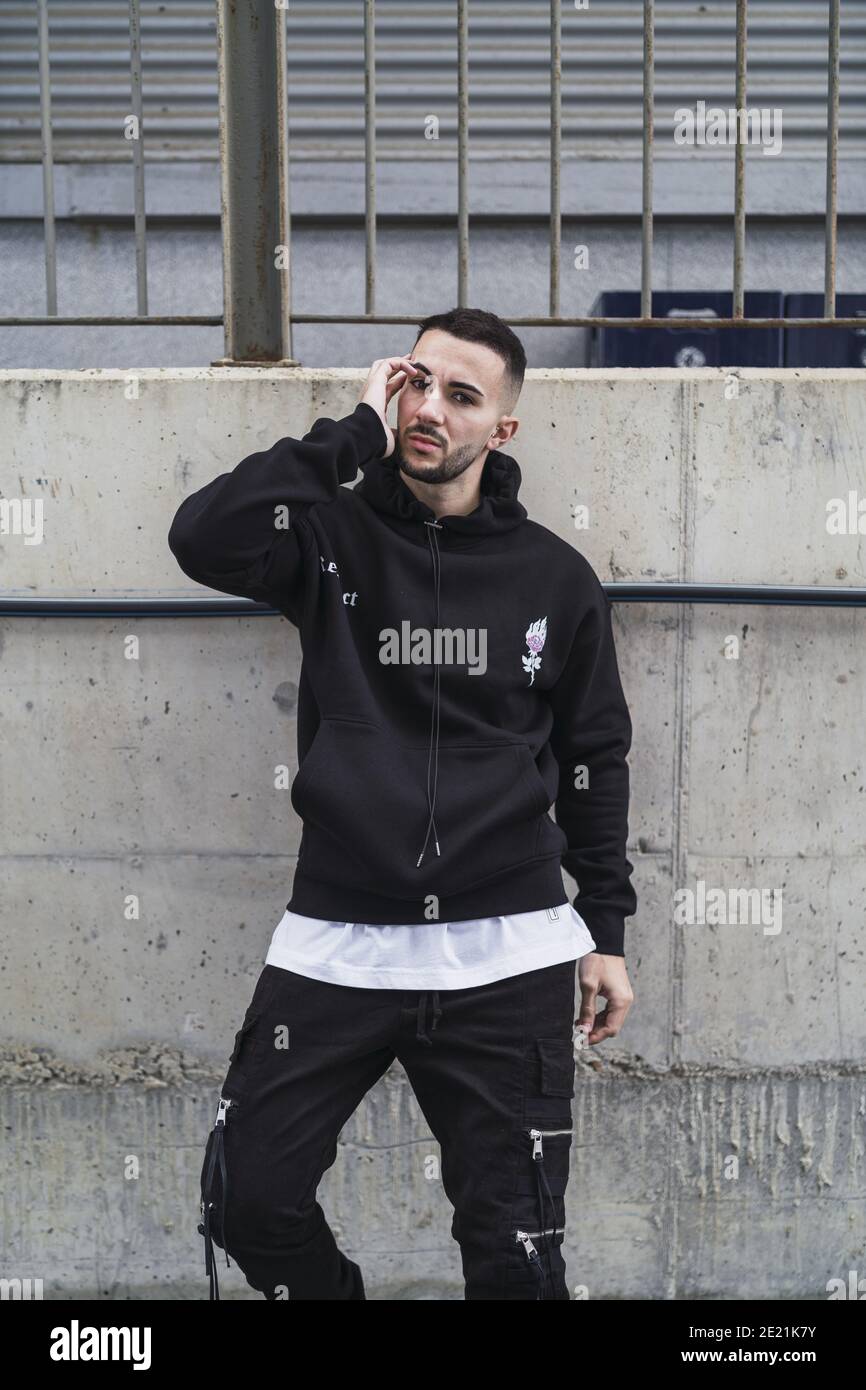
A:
[535,638]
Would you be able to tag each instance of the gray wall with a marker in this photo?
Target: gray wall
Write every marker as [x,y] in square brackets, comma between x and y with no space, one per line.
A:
[153,777]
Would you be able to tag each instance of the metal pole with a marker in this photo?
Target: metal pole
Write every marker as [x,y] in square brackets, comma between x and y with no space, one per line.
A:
[646,262]
[740,165]
[138,156]
[47,162]
[462,154]
[830,225]
[555,151]
[253,125]
[370,151]
[284,214]
[516,321]
[157,606]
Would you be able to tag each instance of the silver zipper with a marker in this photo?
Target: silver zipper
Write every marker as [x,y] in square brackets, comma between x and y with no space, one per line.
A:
[536,1135]
[537,1235]
[220,1120]
[524,1238]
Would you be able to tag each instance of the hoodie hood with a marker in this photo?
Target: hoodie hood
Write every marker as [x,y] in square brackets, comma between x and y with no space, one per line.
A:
[498,512]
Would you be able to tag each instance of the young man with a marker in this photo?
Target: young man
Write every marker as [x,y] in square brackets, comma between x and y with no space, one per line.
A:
[459,677]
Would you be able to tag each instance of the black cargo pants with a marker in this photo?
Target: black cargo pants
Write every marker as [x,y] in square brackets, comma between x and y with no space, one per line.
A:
[492,1068]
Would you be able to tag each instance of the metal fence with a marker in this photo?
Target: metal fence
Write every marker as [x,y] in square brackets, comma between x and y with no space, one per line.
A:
[255,191]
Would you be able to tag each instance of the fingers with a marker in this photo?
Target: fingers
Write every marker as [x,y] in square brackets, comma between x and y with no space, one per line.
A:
[605,1024]
[609,1023]
[388,366]
[588,996]
[615,1013]
[386,377]
[394,385]
[601,1030]
[399,369]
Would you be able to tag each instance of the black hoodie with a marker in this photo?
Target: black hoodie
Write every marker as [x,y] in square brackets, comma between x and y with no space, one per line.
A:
[459,676]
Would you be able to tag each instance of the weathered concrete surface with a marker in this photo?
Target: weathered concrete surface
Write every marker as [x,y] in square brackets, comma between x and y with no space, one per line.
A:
[691,1184]
[749,772]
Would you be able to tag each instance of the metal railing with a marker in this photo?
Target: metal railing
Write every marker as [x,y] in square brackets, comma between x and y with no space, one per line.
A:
[162,606]
[256,221]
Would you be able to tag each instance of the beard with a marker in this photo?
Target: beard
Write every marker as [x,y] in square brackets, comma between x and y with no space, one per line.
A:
[449,465]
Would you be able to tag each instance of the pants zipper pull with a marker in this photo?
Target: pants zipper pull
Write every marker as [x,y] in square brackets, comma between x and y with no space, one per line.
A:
[207,1204]
[533,1257]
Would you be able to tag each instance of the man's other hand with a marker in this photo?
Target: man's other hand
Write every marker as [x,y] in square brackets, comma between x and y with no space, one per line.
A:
[605,975]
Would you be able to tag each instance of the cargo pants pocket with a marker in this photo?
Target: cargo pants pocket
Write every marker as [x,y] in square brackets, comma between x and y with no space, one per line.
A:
[538,1213]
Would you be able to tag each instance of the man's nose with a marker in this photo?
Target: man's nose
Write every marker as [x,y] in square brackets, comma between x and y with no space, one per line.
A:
[431,406]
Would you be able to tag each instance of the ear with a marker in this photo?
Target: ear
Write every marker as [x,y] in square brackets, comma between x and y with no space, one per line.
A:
[505,430]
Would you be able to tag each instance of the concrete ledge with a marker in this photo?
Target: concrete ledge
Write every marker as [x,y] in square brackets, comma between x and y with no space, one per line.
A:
[707,1184]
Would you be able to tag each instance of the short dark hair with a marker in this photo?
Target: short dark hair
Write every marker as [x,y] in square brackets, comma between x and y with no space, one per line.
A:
[479,326]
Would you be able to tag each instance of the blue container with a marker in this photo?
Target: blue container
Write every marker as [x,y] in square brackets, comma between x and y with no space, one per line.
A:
[687,347]
[825,347]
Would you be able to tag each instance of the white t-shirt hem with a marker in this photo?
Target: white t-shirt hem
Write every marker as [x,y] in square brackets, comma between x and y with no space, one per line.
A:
[557,941]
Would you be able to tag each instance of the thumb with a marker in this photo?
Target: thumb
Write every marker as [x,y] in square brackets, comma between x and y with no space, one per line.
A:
[588,997]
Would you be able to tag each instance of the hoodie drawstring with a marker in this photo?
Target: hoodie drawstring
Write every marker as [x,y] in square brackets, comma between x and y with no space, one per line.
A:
[498,512]
[433,541]
[421,1032]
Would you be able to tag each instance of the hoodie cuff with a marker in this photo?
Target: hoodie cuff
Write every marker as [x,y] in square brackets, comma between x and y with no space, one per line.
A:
[367,431]
[607,930]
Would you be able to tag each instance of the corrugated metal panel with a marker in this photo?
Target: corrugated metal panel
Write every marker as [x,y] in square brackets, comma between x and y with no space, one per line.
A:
[416,76]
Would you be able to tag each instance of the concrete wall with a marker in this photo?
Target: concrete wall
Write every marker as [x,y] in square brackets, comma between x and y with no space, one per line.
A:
[153,777]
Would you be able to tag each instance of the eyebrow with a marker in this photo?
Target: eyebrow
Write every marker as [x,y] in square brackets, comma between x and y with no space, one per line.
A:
[462,385]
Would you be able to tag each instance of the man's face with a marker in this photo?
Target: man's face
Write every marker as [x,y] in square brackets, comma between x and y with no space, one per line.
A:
[449,413]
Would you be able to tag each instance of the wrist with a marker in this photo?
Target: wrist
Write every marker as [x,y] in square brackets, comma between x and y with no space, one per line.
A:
[371,434]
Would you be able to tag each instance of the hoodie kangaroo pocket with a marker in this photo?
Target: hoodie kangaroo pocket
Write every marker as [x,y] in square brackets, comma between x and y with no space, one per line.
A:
[363,800]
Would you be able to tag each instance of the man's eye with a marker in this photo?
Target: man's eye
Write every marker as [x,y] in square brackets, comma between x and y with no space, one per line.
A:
[420,382]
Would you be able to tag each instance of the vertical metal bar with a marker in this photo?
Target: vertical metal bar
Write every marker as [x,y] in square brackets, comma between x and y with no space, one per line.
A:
[462,154]
[251,58]
[222,140]
[830,224]
[47,163]
[740,165]
[370,153]
[138,154]
[646,255]
[284,209]
[555,152]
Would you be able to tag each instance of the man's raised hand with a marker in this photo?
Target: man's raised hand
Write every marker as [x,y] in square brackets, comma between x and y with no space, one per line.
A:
[387,376]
